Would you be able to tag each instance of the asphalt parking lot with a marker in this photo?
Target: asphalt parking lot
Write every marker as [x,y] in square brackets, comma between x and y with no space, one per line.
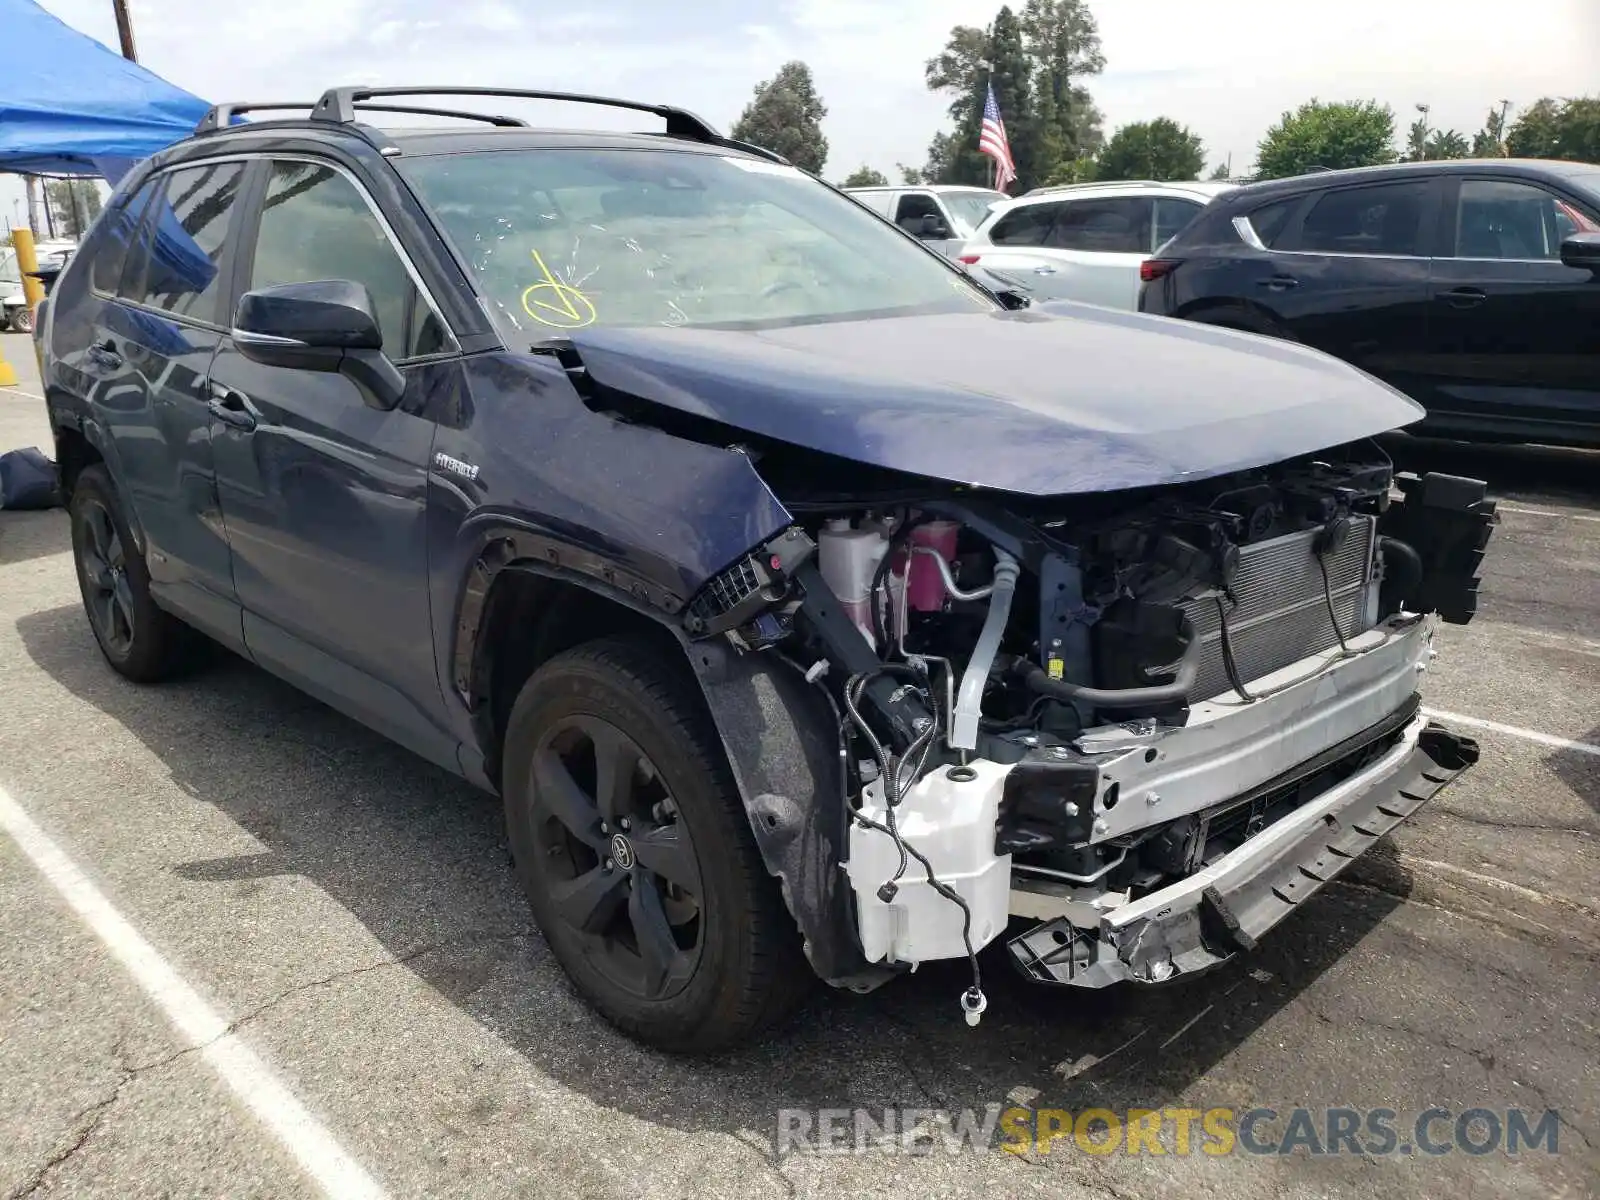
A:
[365,1002]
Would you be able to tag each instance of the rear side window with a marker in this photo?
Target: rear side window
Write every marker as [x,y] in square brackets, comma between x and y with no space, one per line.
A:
[1172,217]
[316,225]
[111,243]
[189,222]
[1382,219]
[1025,226]
[1114,225]
[1269,220]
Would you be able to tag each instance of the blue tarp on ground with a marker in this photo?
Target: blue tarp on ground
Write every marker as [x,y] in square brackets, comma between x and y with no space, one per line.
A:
[70,106]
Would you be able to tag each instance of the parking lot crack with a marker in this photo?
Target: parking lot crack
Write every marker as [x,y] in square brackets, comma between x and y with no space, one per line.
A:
[84,1125]
[1501,823]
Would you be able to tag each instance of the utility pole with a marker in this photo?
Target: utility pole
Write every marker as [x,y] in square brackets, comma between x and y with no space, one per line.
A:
[125,30]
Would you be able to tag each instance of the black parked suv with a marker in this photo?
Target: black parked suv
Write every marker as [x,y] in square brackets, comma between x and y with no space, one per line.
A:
[809,618]
[1472,286]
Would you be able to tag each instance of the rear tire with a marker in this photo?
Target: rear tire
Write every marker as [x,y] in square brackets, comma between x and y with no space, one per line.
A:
[140,640]
[22,320]
[724,962]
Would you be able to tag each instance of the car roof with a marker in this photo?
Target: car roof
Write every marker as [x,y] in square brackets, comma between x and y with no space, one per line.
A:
[923,187]
[1531,168]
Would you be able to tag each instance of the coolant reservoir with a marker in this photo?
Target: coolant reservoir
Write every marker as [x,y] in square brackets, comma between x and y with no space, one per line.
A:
[925,590]
[849,558]
[951,822]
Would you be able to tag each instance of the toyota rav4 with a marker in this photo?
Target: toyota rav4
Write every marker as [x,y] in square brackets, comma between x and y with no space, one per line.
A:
[814,610]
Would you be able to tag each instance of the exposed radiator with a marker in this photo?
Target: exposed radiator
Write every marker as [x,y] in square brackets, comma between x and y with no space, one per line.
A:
[1281,615]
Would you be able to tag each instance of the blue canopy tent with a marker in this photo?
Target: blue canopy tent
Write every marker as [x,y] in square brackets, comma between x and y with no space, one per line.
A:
[70,106]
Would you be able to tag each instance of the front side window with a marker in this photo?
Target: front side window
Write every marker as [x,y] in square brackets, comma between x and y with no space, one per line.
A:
[1112,225]
[315,225]
[560,239]
[1385,218]
[188,225]
[913,208]
[1504,220]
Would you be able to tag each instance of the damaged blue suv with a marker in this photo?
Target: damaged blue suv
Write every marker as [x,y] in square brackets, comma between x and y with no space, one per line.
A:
[815,610]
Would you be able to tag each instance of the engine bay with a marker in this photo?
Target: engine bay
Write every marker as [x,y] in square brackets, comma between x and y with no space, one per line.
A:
[1005,670]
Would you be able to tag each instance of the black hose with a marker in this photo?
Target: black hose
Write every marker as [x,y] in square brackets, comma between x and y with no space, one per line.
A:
[1229,663]
[1176,692]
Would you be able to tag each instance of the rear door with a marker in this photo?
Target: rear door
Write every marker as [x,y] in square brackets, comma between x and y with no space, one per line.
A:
[149,354]
[1350,276]
[1515,334]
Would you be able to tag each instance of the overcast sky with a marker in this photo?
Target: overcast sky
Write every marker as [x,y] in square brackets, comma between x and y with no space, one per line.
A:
[1226,68]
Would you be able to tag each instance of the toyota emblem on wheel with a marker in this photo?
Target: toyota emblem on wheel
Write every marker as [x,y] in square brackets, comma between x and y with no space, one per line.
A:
[621,852]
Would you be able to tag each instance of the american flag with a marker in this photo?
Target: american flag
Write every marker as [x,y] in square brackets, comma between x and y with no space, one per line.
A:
[992,141]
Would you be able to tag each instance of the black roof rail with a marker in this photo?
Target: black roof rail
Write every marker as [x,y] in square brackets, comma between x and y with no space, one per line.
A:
[340,104]
[221,116]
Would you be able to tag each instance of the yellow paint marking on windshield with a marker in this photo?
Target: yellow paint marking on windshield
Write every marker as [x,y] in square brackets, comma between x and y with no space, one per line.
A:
[555,303]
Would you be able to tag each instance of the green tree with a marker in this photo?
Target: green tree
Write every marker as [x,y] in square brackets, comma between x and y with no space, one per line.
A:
[910,176]
[972,61]
[74,204]
[785,115]
[1063,44]
[1567,129]
[1490,141]
[1332,136]
[865,177]
[1158,149]
[1446,143]
[1220,173]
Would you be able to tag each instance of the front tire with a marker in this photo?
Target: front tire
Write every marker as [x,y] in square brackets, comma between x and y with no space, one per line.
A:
[22,320]
[139,639]
[634,850]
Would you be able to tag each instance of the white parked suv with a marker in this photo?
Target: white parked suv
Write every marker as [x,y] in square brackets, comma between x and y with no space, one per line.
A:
[1086,241]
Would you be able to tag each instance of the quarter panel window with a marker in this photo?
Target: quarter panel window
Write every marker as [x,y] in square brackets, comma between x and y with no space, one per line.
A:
[1384,218]
[315,226]
[1025,226]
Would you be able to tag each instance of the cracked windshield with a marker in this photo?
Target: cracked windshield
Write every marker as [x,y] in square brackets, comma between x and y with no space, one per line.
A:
[563,239]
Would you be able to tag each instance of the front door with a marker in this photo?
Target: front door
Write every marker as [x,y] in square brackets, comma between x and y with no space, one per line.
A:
[151,350]
[323,494]
[1515,333]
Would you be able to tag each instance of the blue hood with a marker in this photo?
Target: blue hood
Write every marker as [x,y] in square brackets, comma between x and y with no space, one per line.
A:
[1048,401]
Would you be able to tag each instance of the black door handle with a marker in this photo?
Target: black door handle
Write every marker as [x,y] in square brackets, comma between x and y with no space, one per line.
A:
[1279,283]
[231,407]
[1466,297]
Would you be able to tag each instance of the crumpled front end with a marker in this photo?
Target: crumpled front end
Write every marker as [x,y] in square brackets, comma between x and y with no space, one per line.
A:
[1149,722]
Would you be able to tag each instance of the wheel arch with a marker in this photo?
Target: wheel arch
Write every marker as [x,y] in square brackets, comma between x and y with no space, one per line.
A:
[780,734]
[1245,315]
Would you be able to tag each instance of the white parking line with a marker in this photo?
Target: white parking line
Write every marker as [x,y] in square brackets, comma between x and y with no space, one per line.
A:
[199,1025]
[1541,512]
[1531,735]
[21,392]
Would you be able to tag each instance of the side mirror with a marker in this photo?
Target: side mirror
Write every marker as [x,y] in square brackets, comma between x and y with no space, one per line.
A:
[933,227]
[327,326]
[1582,250]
